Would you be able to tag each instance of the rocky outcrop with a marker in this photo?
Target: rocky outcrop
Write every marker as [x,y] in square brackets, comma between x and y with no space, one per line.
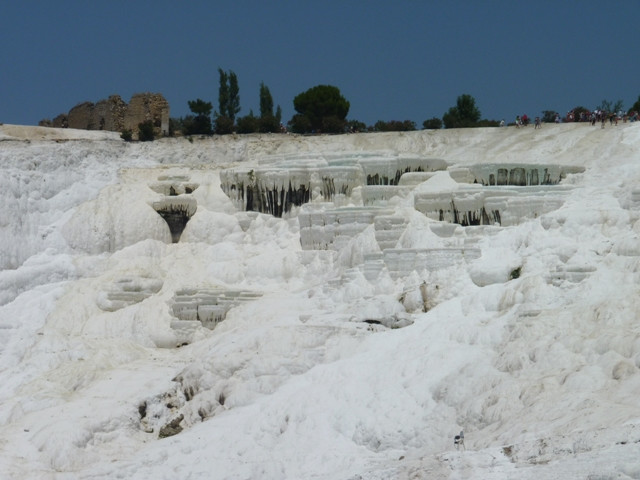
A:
[114,114]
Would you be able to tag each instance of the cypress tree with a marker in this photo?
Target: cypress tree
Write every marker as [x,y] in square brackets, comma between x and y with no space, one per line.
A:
[266,101]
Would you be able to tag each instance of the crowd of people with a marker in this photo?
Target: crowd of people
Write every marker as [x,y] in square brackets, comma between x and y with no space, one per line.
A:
[594,117]
[601,116]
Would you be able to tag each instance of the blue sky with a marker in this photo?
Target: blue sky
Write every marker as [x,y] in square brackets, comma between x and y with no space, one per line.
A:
[400,60]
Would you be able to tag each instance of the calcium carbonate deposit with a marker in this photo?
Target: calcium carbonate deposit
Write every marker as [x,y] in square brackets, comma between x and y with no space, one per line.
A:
[321,307]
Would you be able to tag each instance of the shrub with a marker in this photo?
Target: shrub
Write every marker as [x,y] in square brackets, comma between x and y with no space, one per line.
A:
[548,116]
[394,126]
[300,124]
[145,131]
[432,124]
[175,126]
[515,273]
[268,124]
[186,125]
[354,126]
[126,135]
[248,124]
[487,123]
[224,125]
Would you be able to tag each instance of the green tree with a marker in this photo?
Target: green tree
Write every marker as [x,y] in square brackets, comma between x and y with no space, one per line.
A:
[266,101]
[248,124]
[548,116]
[609,106]
[432,124]
[268,122]
[300,124]
[233,107]
[464,115]
[635,107]
[321,108]
[200,107]
[175,125]
[577,112]
[228,102]
[618,106]
[223,94]
[224,125]
[200,124]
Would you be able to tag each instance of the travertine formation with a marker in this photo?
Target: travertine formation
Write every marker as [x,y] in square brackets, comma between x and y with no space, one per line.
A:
[177,206]
[114,114]
[338,197]
[280,184]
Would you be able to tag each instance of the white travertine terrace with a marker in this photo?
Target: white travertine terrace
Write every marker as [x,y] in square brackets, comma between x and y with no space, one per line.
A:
[338,196]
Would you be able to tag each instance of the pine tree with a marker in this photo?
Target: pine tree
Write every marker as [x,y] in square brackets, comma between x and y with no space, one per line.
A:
[201,123]
[320,109]
[465,114]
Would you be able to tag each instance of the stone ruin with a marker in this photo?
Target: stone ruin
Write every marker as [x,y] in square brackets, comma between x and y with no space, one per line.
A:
[115,115]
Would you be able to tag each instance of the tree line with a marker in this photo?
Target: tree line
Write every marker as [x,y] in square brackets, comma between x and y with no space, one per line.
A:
[320,109]
[204,120]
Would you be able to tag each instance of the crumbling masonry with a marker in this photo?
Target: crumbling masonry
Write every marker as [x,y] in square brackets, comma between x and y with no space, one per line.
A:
[114,114]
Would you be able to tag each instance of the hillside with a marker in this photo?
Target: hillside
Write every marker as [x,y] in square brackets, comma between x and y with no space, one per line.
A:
[493,288]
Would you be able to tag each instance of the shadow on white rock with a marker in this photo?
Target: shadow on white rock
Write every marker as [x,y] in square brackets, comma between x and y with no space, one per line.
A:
[120,216]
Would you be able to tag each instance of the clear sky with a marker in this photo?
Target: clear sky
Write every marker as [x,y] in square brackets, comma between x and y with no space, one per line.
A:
[400,60]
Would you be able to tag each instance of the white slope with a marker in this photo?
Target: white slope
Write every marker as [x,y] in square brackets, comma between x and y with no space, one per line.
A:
[540,371]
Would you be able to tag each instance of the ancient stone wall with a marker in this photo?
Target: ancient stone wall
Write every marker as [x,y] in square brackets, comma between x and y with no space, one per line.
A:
[147,106]
[114,114]
[80,116]
[109,114]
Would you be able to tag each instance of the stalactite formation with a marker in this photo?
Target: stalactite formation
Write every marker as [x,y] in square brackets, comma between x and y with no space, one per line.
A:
[520,175]
[177,206]
[176,211]
[287,183]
